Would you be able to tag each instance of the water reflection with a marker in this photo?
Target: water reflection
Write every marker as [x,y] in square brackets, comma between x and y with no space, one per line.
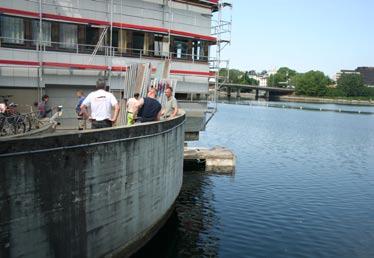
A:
[303,188]
[191,230]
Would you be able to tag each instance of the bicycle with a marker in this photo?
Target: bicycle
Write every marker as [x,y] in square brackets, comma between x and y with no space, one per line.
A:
[11,121]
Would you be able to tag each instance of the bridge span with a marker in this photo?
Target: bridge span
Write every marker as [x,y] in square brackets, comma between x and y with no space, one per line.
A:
[270,91]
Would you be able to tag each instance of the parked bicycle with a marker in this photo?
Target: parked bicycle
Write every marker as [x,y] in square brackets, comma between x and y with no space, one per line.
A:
[11,121]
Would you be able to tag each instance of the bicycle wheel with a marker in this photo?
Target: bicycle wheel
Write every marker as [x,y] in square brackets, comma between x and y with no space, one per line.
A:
[19,127]
[6,128]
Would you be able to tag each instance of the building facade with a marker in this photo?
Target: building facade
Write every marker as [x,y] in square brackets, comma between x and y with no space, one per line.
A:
[56,47]
[367,74]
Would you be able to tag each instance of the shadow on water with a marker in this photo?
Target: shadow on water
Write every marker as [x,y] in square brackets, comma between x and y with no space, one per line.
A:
[188,232]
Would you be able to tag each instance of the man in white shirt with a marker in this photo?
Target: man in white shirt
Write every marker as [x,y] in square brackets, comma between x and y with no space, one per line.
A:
[101,103]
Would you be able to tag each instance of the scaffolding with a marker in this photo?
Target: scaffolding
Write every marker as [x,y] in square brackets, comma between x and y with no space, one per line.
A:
[221,29]
[104,46]
[109,54]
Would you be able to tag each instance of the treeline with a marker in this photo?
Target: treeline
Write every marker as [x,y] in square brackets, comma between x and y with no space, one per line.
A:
[237,77]
[317,84]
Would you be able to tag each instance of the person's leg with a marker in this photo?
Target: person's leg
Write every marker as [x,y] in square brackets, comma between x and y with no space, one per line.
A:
[107,123]
[95,125]
[130,119]
[101,124]
[81,123]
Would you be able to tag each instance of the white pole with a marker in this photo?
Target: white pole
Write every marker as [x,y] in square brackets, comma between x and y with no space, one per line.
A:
[40,53]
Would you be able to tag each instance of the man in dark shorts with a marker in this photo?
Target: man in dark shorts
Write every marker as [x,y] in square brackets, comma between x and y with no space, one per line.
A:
[101,103]
[150,108]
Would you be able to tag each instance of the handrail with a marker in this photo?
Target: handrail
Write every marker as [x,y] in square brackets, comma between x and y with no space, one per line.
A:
[101,50]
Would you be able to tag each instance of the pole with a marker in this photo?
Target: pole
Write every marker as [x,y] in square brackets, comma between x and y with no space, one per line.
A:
[40,53]
[111,51]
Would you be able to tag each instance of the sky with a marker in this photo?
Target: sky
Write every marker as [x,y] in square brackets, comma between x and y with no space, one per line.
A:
[325,35]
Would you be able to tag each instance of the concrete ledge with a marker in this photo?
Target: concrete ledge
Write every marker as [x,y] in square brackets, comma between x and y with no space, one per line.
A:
[94,194]
[68,140]
[216,159]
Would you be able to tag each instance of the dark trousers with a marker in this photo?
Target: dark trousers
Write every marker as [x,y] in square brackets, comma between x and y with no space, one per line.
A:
[101,124]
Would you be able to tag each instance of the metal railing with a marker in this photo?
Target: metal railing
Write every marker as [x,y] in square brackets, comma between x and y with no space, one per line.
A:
[101,51]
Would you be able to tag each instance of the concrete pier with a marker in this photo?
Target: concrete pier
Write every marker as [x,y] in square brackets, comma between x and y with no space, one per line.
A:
[92,193]
[216,159]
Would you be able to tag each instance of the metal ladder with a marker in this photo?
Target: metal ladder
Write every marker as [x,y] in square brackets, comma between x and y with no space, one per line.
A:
[98,45]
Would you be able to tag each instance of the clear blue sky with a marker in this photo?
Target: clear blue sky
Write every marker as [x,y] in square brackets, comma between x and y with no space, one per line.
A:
[326,35]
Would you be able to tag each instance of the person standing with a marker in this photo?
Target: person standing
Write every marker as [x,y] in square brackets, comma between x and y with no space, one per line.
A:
[171,105]
[81,118]
[43,107]
[101,103]
[150,108]
[132,107]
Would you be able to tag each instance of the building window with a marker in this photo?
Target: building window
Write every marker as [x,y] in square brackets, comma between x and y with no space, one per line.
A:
[46,33]
[68,35]
[180,49]
[161,45]
[199,50]
[12,30]
[138,42]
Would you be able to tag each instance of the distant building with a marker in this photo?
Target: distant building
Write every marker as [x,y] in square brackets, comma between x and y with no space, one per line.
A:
[262,77]
[345,71]
[367,74]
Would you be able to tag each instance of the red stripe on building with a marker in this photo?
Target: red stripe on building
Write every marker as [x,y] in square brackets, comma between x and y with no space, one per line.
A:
[188,72]
[19,12]
[104,23]
[63,65]
[192,35]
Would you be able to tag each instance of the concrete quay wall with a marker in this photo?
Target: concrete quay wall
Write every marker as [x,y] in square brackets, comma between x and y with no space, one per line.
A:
[89,194]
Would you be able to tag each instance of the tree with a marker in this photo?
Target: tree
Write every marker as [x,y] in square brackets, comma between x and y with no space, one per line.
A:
[352,85]
[312,83]
[249,80]
[238,77]
[281,78]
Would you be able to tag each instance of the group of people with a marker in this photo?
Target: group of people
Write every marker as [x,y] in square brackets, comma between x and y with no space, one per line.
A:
[101,103]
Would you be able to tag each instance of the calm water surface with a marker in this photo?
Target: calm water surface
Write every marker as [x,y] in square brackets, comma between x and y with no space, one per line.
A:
[303,187]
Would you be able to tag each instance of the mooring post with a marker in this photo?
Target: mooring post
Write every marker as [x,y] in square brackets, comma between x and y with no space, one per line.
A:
[256,98]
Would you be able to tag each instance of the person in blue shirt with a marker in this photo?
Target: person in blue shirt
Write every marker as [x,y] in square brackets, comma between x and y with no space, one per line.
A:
[150,108]
[81,119]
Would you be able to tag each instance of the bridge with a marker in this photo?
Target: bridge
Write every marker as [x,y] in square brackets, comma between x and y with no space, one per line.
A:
[270,91]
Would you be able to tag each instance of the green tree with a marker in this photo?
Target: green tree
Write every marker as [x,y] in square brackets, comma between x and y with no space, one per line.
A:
[352,85]
[312,83]
[234,75]
[237,77]
[281,78]
[249,80]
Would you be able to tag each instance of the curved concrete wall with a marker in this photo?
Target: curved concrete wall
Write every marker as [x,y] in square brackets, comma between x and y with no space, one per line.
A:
[88,194]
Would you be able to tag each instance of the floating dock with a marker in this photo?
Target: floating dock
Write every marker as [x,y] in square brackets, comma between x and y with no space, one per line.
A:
[217,159]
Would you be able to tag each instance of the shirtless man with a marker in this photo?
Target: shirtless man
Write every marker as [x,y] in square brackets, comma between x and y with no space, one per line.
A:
[132,107]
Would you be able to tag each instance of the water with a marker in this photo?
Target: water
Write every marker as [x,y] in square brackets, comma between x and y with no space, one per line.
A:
[303,187]
[304,105]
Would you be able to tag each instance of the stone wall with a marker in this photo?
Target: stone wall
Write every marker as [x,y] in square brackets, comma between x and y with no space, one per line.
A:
[87,194]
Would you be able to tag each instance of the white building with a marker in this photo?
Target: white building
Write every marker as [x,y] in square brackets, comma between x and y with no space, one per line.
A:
[61,60]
